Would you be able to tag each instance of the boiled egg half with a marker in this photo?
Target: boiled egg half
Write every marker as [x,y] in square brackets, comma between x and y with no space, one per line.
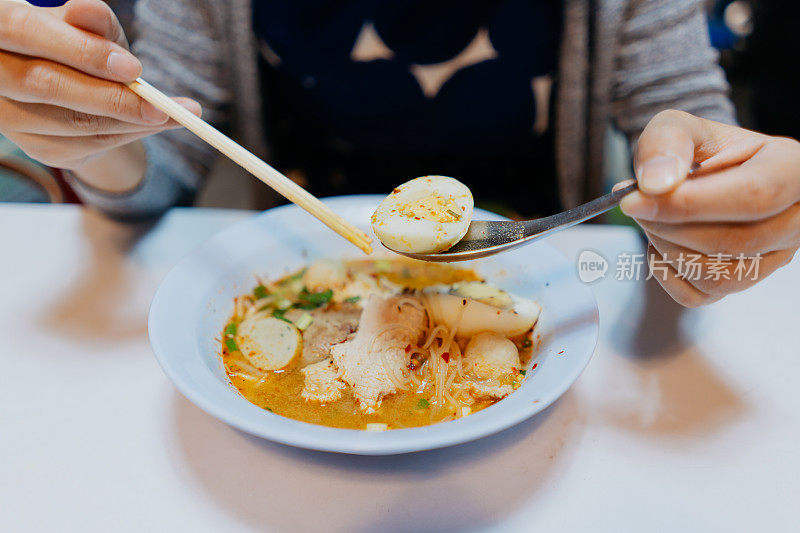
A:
[504,313]
[425,215]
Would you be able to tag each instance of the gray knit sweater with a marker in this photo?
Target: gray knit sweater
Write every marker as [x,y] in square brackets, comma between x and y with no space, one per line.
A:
[621,61]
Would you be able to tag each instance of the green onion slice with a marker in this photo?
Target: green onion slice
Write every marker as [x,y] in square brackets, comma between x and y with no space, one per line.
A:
[231,345]
[283,304]
[304,321]
[279,314]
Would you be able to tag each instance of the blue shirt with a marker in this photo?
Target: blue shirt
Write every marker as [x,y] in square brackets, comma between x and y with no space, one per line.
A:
[432,86]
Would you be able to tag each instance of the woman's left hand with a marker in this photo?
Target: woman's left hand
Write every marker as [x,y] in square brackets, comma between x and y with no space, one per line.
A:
[730,224]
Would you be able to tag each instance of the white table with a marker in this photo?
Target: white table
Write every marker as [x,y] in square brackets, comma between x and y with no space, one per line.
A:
[683,421]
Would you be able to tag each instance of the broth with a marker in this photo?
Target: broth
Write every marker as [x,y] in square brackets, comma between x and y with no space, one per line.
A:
[280,391]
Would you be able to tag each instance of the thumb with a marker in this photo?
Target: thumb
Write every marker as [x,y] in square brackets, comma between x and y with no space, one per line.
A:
[675,144]
[665,152]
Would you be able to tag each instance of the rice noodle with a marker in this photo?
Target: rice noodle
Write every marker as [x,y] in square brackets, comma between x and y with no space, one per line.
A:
[413,302]
[460,367]
[253,312]
[450,386]
[432,336]
[247,367]
[423,386]
[441,376]
[452,401]
[457,322]
[452,376]
[414,379]
[261,301]
[460,391]
[423,355]
[248,377]
[387,329]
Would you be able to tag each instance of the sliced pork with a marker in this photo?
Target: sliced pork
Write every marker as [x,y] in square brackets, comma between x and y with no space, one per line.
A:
[375,361]
[322,383]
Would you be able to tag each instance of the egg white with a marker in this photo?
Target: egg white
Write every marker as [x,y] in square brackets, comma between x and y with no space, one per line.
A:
[425,215]
[472,316]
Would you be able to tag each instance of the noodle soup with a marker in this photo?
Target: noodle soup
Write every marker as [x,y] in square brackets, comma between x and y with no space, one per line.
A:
[378,344]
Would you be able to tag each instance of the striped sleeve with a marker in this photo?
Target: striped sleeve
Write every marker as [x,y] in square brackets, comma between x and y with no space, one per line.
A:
[665,61]
[179,46]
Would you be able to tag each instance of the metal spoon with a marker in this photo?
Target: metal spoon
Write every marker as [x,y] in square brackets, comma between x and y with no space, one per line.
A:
[489,237]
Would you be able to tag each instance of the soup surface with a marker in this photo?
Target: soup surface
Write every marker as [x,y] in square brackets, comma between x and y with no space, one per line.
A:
[378,344]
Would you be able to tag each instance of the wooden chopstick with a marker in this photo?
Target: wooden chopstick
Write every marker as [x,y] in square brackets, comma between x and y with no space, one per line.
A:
[258,168]
[255,166]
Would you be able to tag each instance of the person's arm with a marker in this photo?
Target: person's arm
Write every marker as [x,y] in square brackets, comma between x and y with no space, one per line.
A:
[737,218]
[180,52]
[665,61]
[61,96]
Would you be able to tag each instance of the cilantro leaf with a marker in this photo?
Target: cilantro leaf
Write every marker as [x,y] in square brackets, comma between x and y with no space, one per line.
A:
[312,300]
[260,292]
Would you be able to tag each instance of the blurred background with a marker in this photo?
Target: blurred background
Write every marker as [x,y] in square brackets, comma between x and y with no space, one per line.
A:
[759,45]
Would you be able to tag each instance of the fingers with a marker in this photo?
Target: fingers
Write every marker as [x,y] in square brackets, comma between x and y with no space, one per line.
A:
[718,276]
[761,187]
[665,152]
[34,32]
[678,288]
[73,152]
[775,233]
[675,142]
[95,17]
[743,176]
[622,184]
[45,119]
[41,81]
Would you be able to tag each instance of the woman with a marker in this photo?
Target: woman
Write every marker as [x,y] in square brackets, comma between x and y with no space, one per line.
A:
[614,60]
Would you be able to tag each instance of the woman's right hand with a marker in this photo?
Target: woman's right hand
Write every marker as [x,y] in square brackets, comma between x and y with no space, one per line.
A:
[61,100]
[732,223]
